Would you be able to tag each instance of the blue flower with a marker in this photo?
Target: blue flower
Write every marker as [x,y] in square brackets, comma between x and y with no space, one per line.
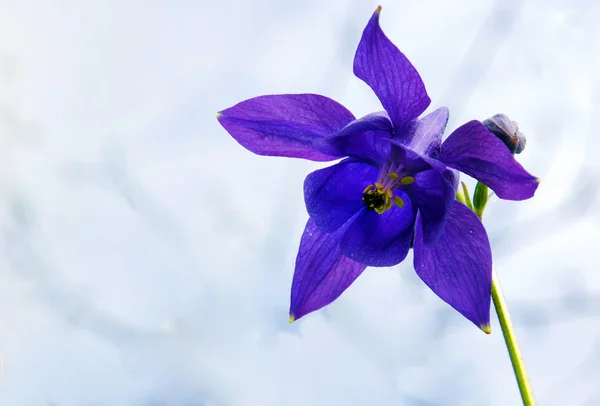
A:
[397,182]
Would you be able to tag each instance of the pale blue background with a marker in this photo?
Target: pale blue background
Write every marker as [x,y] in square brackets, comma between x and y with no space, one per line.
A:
[146,258]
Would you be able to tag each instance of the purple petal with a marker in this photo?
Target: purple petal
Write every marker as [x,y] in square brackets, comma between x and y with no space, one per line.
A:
[413,161]
[334,194]
[473,150]
[391,76]
[380,239]
[426,136]
[366,138]
[285,125]
[370,122]
[322,272]
[434,194]
[452,177]
[458,268]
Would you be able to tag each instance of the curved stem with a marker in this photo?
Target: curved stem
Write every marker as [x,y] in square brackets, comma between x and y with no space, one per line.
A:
[511,343]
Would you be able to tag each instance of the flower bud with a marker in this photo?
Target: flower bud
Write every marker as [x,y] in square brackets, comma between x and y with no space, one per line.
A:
[507,131]
[480,199]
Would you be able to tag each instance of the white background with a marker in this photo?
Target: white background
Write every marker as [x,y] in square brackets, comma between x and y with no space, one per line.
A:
[146,258]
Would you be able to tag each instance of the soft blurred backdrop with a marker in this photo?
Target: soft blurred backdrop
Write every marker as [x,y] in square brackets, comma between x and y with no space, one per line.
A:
[146,258]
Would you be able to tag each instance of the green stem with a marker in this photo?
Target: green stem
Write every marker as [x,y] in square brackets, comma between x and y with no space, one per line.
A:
[511,342]
[510,338]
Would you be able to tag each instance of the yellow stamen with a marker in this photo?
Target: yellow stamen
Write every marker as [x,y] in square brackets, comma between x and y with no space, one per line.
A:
[398,201]
[393,175]
[368,189]
[486,328]
[292,318]
[388,204]
[407,180]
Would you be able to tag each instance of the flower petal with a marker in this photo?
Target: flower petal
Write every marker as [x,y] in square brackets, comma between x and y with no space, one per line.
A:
[285,125]
[366,138]
[434,194]
[426,136]
[322,272]
[458,268]
[413,161]
[370,122]
[389,73]
[380,239]
[473,150]
[334,194]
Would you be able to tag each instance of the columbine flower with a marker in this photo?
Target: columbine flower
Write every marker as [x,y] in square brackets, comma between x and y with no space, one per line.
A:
[397,179]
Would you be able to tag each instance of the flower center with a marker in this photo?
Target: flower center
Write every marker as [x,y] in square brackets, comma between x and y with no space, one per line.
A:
[380,195]
[377,197]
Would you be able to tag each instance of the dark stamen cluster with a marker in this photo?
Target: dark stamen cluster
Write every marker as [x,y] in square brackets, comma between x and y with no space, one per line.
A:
[374,200]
